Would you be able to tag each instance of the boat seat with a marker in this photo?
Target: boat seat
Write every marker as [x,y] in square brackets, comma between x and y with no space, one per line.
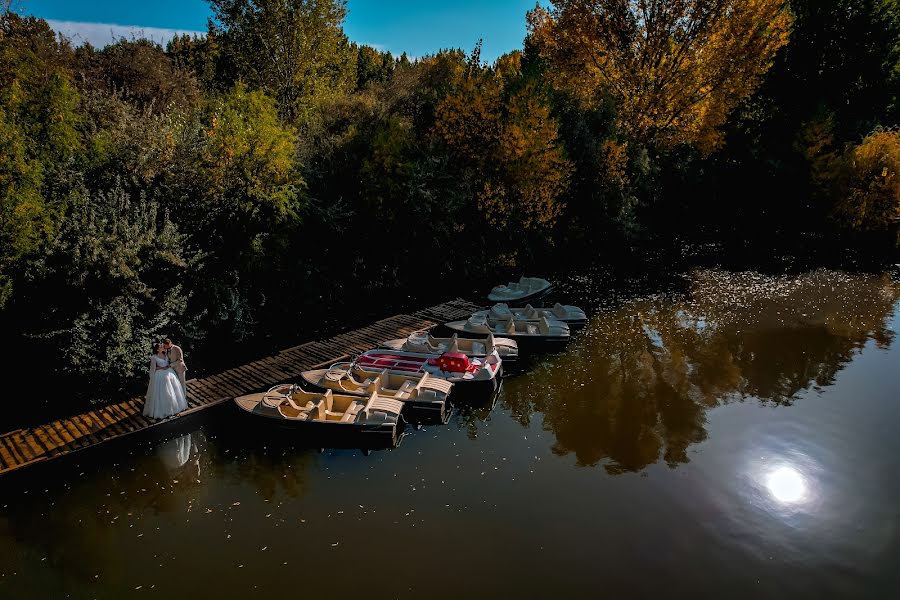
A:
[544,326]
[351,412]
[435,384]
[404,392]
[531,312]
[500,310]
[478,348]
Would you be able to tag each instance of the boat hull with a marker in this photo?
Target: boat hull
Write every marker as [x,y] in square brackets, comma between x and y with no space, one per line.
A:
[522,340]
[327,433]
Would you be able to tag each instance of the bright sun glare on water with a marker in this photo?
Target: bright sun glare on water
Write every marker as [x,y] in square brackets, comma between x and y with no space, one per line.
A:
[786,485]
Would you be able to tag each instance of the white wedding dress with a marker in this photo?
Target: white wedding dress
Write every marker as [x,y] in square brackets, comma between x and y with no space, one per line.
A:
[164,394]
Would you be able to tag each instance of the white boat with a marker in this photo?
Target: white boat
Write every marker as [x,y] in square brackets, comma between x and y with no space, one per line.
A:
[422,395]
[570,315]
[425,343]
[543,330]
[469,375]
[516,293]
[333,416]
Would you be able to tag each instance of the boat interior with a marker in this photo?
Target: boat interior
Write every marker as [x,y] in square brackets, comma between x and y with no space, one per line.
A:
[528,312]
[512,327]
[306,406]
[387,384]
[435,345]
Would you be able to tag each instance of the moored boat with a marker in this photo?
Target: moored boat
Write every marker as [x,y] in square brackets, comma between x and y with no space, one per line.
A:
[470,376]
[517,293]
[375,420]
[424,396]
[572,316]
[424,343]
[543,330]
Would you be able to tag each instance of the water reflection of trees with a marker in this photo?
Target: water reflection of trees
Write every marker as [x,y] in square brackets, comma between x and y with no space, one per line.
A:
[636,385]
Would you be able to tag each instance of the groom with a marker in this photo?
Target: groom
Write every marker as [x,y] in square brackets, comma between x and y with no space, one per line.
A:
[176,359]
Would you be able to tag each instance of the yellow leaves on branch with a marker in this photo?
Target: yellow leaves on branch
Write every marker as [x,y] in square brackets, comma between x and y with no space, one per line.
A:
[869,191]
[675,68]
[512,143]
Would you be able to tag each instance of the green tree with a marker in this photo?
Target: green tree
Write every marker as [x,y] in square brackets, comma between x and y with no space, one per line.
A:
[108,284]
[39,137]
[294,50]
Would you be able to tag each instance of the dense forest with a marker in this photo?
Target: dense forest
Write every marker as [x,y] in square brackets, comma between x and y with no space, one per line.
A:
[224,185]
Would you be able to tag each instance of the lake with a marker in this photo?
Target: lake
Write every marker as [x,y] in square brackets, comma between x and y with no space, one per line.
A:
[727,434]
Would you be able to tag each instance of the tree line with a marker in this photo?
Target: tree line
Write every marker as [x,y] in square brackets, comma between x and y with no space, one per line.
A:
[220,185]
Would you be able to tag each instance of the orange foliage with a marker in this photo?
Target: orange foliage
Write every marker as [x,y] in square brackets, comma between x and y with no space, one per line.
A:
[869,197]
[676,69]
[512,144]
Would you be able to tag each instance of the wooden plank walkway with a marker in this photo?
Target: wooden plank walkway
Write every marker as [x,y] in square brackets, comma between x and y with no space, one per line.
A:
[25,447]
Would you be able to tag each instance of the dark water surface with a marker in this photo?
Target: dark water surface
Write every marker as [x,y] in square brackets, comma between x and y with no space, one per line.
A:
[729,435]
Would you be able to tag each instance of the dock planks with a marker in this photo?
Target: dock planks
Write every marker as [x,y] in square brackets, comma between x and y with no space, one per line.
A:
[24,447]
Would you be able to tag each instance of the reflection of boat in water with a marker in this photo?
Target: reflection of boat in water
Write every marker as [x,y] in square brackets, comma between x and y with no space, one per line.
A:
[572,316]
[424,396]
[423,342]
[517,293]
[329,415]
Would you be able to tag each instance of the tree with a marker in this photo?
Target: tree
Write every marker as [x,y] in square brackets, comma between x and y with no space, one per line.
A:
[294,50]
[142,74]
[249,154]
[675,69]
[106,285]
[372,66]
[500,127]
[38,137]
[868,191]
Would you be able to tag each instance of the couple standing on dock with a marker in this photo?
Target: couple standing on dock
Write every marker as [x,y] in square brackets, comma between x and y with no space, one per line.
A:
[167,391]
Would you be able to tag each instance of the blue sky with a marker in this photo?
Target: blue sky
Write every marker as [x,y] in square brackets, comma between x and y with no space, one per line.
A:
[418,27]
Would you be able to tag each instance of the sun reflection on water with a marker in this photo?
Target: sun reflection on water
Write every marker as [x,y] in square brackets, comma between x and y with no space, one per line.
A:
[787,485]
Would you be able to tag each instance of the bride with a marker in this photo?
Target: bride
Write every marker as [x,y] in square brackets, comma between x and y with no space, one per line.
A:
[164,394]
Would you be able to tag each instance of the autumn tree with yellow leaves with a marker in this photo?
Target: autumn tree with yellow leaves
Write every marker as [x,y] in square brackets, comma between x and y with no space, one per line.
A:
[675,69]
[498,122]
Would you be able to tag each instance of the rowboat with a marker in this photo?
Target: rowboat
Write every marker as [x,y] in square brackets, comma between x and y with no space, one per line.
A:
[373,420]
[544,330]
[423,342]
[572,316]
[425,397]
[517,293]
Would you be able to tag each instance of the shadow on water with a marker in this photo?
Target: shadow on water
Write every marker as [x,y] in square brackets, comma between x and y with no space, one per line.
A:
[634,387]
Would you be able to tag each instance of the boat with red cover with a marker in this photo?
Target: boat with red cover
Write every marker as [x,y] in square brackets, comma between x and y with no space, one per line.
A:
[468,375]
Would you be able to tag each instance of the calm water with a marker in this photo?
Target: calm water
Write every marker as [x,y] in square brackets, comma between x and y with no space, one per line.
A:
[734,435]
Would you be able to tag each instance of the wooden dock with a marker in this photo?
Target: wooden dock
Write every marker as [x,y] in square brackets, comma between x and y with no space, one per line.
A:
[32,445]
